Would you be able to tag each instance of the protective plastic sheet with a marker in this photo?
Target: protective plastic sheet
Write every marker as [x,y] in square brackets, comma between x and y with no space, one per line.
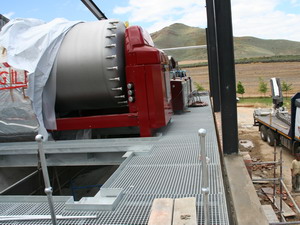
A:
[32,45]
[17,119]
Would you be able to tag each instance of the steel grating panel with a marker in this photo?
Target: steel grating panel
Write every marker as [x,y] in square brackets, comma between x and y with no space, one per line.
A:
[167,179]
[135,209]
[31,208]
[172,169]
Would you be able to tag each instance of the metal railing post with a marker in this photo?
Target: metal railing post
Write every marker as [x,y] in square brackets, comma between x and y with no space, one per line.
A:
[280,188]
[48,188]
[275,167]
[205,184]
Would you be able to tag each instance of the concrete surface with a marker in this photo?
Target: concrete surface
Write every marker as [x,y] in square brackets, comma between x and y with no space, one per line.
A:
[244,201]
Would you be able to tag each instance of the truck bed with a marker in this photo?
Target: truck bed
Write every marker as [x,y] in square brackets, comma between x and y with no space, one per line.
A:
[274,123]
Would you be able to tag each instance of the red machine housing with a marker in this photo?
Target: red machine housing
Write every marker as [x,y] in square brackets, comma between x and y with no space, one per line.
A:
[148,84]
[178,97]
[180,89]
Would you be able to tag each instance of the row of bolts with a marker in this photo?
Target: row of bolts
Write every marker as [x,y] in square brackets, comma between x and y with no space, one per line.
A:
[114,68]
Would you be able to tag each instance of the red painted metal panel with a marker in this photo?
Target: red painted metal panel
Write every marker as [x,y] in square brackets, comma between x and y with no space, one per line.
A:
[146,70]
[136,76]
[177,95]
[138,52]
[160,110]
[103,121]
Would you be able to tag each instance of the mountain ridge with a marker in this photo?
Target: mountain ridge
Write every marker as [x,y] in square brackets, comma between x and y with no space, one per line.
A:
[179,35]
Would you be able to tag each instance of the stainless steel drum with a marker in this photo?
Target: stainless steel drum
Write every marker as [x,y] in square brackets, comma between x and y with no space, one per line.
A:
[90,67]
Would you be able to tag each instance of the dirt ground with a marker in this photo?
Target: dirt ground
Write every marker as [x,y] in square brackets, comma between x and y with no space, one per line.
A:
[263,152]
[249,75]
[192,61]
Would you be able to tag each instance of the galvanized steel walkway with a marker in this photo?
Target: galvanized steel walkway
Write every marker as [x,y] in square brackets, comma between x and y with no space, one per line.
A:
[171,169]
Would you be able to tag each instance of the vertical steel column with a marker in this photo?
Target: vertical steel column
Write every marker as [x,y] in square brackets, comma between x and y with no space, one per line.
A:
[212,53]
[227,76]
[211,88]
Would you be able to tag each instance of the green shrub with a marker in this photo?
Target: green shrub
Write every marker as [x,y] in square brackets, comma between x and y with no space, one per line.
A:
[199,87]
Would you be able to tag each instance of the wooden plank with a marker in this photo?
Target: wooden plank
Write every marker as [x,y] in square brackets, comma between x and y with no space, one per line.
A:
[287,211]
[185,211]
[161,212]
[270,214]
[268,191]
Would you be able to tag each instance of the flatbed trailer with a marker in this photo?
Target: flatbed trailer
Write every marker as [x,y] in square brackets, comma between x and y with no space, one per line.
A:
[271,128]
[280,126]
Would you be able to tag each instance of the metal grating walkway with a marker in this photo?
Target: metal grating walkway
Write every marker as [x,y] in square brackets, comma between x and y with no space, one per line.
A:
[171,169]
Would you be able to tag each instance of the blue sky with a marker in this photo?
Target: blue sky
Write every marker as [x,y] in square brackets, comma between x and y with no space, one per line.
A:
[269,19]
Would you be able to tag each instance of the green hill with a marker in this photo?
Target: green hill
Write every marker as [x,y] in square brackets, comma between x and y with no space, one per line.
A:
[178,35]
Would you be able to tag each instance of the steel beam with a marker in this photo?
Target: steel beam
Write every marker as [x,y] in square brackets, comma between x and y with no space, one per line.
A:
[70,153]
[227,75]
[212,54]
[67,159]
[211,88]
[94,9]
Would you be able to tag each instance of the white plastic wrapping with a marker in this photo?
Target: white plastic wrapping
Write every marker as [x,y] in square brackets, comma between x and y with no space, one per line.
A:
[32,45]
[17,119]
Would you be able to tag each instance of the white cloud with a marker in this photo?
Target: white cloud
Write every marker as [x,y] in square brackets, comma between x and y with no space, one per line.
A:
[9,15]
[260,18]
[122,10]
[295,2]
[161,13]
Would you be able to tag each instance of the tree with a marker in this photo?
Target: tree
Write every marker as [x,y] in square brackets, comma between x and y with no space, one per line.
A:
[286,87]
[240,89]
[198,87]
[263,87]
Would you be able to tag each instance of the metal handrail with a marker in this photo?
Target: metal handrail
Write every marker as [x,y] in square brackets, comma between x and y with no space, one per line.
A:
[205,184]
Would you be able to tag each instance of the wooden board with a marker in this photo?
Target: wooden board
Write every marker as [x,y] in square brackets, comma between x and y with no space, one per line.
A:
[268,191]
[287,211]
[185,211]
[270,214]
[161,212]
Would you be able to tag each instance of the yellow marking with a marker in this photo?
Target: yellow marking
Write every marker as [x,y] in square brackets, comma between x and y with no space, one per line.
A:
[267,125]
[284,135]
